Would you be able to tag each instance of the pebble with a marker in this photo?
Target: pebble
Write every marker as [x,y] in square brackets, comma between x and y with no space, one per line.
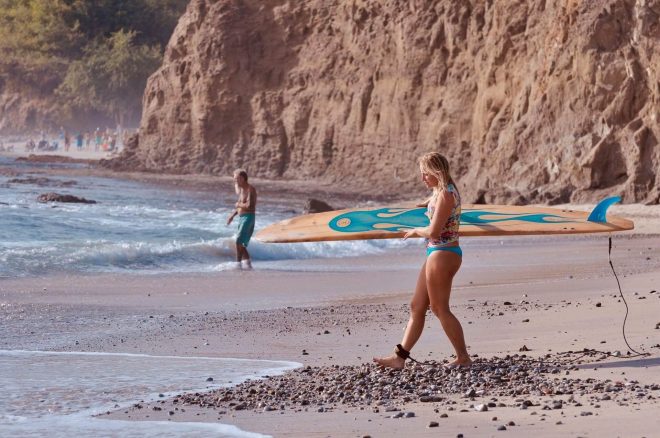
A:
[366,386]
[501,427]
[433,424]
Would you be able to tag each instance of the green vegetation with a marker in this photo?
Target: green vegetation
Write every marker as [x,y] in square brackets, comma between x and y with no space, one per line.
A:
[91,54]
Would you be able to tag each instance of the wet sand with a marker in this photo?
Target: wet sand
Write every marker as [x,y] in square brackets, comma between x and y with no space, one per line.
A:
[550,295]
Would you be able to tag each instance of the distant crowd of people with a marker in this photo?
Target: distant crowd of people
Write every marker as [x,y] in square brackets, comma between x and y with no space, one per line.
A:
[7,148]
[100,140]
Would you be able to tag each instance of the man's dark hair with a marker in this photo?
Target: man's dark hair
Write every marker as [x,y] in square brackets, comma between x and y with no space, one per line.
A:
[241,173]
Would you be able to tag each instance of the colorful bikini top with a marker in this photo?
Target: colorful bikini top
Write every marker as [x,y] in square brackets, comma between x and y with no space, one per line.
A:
[449,232]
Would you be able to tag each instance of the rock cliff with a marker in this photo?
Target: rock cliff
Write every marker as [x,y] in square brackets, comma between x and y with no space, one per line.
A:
[532,101]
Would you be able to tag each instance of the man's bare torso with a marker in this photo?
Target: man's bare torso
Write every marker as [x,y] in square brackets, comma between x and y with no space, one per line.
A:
[247,196]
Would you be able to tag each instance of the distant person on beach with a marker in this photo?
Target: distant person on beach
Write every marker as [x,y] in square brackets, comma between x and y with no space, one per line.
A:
[67,141]
[443,259]
[246,210]
[79,141]
[97,139]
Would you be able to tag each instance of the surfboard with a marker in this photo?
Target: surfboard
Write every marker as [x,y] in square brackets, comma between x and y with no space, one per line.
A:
[476,220]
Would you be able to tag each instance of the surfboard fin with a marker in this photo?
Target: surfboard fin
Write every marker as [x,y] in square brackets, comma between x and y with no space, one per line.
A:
[599,213]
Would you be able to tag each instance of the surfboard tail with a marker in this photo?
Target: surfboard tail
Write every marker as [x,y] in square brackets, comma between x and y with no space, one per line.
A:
[599,213]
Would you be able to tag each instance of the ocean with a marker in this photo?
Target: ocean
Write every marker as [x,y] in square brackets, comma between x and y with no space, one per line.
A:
[134,228]
[137,228]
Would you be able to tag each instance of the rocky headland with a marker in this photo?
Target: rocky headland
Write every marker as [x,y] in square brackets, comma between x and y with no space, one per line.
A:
[532,101]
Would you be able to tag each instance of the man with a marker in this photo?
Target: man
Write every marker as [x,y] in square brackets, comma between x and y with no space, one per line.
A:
[245,208]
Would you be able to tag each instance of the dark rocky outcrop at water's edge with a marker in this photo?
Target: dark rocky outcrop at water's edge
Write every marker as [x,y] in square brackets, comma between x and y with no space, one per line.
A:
[56,197]
[532,101]
[316,206]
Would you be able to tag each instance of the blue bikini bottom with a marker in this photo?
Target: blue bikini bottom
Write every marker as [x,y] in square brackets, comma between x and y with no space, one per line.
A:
[455,249]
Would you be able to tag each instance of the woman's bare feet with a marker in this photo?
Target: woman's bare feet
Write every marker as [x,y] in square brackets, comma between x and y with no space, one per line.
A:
[459,363]
[392,361]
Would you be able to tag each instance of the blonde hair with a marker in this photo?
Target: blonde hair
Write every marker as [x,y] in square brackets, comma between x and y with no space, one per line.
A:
[434,163]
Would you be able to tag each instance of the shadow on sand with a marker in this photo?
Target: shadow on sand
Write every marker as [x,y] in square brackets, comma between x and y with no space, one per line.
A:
[623,362]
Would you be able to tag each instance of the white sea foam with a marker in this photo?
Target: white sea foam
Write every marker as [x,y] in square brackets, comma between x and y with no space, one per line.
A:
[135,228]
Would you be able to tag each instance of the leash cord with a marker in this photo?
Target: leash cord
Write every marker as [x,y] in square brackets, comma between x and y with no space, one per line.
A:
[625,318]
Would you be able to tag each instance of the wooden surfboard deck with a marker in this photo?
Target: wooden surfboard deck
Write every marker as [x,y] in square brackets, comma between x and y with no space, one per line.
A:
[476,220]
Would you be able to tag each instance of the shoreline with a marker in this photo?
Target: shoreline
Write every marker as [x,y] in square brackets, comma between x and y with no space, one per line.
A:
[297,191]
[293,194]
[285,316]
[277,190]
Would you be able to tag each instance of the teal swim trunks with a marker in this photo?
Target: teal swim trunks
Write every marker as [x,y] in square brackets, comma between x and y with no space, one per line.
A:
[245,228]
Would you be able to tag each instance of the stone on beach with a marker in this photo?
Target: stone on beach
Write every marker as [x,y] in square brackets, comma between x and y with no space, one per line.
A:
[366,385]
[316,206]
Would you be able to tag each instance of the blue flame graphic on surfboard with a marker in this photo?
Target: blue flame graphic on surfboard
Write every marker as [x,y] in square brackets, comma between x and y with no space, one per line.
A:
[398,219]
[476,220]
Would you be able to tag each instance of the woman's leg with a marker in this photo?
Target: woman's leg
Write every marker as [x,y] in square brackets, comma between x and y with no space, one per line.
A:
[419,304]
[441,266]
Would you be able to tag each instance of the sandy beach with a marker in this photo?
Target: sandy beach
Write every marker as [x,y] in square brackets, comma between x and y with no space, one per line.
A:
[550,295]
[528,305]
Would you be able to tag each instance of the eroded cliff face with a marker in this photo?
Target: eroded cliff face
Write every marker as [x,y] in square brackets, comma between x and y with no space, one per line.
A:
[22,111]
[532,101]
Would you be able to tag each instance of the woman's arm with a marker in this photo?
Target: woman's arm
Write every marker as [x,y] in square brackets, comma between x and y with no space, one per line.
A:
[443,206]
[424,203]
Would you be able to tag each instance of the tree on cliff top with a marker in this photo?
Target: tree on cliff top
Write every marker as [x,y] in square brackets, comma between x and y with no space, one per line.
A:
[36,39]
[110,78]
[72,45]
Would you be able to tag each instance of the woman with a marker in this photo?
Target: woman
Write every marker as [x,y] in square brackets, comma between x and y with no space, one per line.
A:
[443,259]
